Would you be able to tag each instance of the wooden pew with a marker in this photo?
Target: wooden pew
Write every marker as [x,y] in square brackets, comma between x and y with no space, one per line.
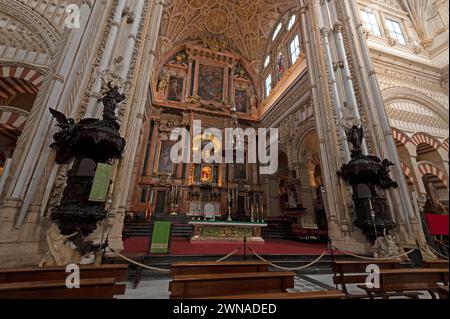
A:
[435,263]
[100,288]
[117,271]
[212,267]
[443,292]
[330,294]
[354,272]
[206,285]
[401,281]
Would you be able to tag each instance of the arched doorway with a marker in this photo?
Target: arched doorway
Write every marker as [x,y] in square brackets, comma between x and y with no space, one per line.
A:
[18,91]
[277,188]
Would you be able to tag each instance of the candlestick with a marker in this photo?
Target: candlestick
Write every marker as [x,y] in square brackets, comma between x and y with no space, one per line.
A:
[257,213]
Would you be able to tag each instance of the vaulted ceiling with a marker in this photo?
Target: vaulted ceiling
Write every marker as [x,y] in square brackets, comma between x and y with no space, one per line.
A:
[33,26]
[242,26]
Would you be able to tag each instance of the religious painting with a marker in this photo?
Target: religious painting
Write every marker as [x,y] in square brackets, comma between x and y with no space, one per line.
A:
[240,171]
[210,83]
[165,164]
[175,89]
[241,101]
[206,174]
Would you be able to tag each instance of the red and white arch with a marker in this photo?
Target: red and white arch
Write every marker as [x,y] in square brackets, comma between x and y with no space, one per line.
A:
[445,145]
[427,168]
[12,118]
[400,137]
[408,173]
[16,80]
[422,138]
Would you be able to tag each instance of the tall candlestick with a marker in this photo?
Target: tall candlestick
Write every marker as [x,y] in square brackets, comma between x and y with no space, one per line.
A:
[257,213]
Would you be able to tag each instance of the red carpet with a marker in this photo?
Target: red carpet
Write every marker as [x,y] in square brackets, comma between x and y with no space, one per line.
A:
[181,246]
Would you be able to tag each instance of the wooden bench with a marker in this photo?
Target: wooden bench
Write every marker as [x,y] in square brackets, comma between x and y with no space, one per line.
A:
[100,288]
[354,272]
[117,271]
[206,285]
[330,294]
[201,267]
[401,281]
[443,292]
[435,263]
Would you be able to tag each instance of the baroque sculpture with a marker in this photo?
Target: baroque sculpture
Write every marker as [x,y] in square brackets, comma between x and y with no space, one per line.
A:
[88,143]
[369,176]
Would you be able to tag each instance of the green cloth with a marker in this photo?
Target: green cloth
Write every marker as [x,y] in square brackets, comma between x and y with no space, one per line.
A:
[100,186]
[160,237]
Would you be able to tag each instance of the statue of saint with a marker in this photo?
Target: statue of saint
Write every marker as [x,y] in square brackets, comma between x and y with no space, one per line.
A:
[111,101]
[163,82]
[292,198]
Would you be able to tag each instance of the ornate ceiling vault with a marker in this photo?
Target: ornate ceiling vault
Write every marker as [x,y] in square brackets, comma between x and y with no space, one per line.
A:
[242,26]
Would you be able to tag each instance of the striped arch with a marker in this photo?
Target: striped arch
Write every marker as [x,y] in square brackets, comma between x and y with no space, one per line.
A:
[445,145]
[423,138]
[428,168]
[12,118]
[15,80]
[400,137]
[408,173]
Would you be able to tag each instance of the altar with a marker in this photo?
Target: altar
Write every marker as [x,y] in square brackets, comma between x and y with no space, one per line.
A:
[227,231]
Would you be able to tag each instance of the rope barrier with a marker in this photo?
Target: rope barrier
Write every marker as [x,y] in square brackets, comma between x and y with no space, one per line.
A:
[440,242]
[373,258]
[436,252]
[89,253]
[289,269]
[229,255]
[138,263]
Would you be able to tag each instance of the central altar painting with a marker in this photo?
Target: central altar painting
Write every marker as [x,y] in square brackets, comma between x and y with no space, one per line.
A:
[210,83]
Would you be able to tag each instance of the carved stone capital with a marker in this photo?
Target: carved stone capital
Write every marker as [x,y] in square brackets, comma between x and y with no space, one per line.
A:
[324,31]
[339,27]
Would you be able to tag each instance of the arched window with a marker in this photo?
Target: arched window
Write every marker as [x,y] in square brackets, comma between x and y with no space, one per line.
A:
[291,22]
[267,61]
[268,84]
[282,52]
[294,48]
[277,31]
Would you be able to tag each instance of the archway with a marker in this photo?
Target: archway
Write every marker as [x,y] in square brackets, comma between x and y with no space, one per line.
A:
[278,195]
[436,185]
[18,91]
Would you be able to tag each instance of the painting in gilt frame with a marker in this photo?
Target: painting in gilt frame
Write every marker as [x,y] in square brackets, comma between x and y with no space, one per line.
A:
[175,89]
[210,83]
[241,101]
[165,164]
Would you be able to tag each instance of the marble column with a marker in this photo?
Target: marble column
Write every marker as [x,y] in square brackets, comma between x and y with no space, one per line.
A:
[387,142]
